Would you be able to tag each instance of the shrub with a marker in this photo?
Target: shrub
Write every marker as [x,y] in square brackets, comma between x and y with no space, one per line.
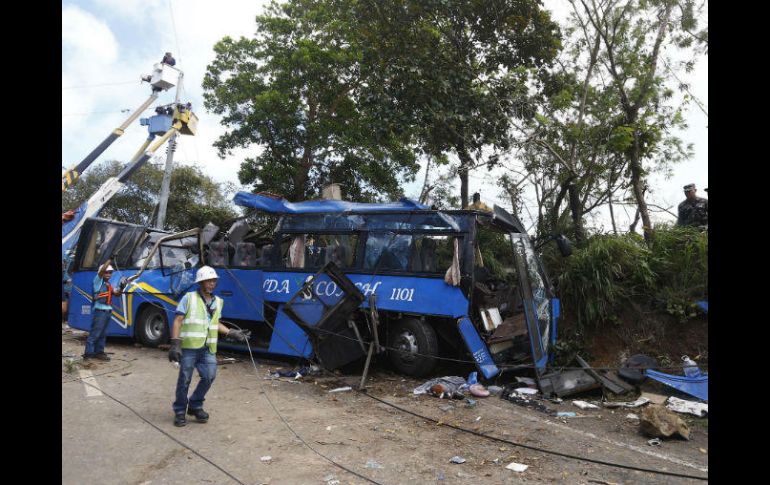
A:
[670,274]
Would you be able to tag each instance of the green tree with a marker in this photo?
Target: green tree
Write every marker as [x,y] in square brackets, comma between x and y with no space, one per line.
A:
[457,70]
[634,35]
[299,90]
[194,199]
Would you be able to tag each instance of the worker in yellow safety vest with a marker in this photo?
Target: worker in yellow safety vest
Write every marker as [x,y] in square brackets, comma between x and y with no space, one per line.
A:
[194,344]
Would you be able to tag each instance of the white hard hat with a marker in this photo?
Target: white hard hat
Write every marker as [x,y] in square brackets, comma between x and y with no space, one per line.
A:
[109,268]
[205,273]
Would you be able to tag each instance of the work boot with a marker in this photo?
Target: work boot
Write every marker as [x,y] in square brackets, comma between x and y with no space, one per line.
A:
[180,420]
[200,415]
[102,356]
[88,356]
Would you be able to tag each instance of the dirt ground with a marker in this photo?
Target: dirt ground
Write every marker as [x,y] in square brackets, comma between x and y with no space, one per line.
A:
[104,442]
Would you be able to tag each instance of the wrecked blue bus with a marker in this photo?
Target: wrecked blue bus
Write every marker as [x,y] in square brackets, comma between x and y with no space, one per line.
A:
[422,289]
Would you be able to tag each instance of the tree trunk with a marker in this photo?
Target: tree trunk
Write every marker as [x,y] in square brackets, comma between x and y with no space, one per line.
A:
[612,214]
[465,164]
[637,183]
[577,217]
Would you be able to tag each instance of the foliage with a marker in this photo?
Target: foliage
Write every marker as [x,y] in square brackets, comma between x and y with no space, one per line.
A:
[607,273]
[194,198]
[613,271]
[456,70]
[299,89]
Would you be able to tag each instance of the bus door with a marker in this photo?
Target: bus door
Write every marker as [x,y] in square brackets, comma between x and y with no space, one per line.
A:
[537,298]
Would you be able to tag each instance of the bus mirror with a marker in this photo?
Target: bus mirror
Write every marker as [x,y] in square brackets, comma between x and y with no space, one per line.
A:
[565,246]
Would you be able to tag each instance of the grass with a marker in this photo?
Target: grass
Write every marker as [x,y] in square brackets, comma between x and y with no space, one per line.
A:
[613,272]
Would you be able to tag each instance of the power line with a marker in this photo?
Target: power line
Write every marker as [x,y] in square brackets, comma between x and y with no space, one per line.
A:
[126,110]
[83,86]
[173,26]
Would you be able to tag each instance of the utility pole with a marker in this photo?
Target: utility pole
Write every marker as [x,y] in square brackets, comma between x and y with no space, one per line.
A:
[166,184]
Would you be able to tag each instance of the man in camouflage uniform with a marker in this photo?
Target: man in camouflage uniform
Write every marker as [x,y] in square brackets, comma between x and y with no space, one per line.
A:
[694,211]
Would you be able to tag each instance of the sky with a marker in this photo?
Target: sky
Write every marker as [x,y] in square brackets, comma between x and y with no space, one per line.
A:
[107,45]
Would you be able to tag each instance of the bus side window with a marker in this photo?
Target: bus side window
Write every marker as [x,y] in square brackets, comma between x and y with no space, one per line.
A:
[245,255]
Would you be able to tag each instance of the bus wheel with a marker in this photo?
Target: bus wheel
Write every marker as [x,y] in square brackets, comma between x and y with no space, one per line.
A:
[413,347]
[152,327]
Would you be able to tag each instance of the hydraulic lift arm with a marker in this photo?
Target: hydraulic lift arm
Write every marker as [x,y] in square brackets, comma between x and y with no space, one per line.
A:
[70,176]
[184,122]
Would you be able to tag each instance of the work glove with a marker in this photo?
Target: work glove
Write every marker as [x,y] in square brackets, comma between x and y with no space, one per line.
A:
[236,335]
[175,352]
[123,283]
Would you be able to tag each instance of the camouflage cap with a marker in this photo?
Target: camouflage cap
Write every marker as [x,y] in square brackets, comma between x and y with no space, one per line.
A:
[689,187]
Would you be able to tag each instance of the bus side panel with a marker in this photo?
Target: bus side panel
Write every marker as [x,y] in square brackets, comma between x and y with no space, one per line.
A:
[426,296]
[241,293]
[288,338]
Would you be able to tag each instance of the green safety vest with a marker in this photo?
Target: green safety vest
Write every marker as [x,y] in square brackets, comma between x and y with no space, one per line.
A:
[196,325]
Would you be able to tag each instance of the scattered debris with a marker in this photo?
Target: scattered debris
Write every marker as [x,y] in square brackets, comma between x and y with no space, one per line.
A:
[632,417]
[342,389]
[690,407]
[227,360]
[527,403]
[568,382]
[658,421]
[565,414]
[703,450]
[517,467]
[654,442]
[446,408]
[478,390]
[265,459]
[449,386]
[495,390]
[635,404]
[528,381]
[164,347]
[585,405]
[602,482]
[632,369]
[527,391]
[470,403]
[608,380]
[441,475]
[457,460]
[373,464]
[654,398]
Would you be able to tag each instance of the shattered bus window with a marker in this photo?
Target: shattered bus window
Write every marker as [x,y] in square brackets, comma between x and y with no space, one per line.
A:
[312,251]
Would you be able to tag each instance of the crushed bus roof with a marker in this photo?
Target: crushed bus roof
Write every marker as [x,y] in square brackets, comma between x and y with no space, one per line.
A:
[273,205]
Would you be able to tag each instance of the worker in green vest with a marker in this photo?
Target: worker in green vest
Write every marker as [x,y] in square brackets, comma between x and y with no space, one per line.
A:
[194,344]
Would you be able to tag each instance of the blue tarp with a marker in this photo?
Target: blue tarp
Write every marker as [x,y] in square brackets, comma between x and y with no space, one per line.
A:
[282,206]
[694,386]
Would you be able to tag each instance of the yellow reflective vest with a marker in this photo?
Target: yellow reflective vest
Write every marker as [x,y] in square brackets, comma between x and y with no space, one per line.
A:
[196,326]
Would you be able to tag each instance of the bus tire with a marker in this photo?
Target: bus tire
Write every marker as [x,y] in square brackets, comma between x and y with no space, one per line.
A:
[152,326]
[412,347]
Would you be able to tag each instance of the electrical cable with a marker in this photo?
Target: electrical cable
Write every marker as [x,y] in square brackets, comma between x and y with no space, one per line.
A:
[288,426]
[168,435]
[98,85]
[534,448]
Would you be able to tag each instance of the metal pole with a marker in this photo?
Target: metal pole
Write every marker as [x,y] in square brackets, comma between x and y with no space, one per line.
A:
[166,184]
